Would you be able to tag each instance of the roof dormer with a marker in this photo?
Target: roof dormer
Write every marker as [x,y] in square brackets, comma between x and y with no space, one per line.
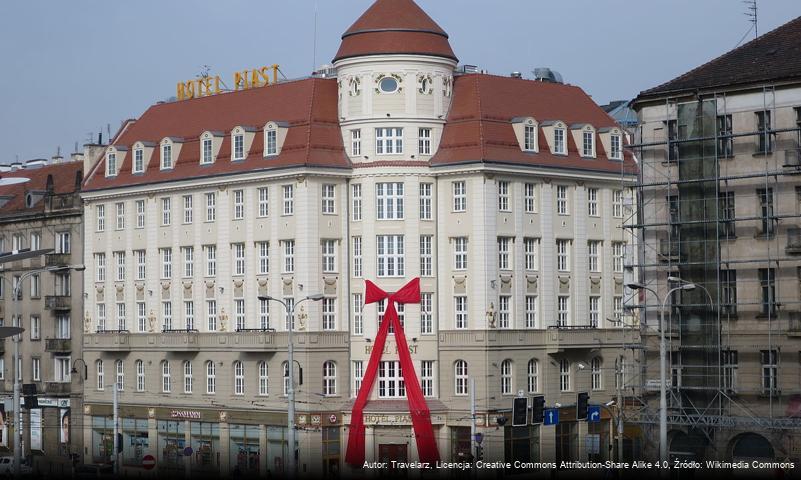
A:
[210,143]
[527,133]
[612,142]
[241,141]
[115,154]
[274,136]
[584,138]
[169,152]
[555,132]
[142,152]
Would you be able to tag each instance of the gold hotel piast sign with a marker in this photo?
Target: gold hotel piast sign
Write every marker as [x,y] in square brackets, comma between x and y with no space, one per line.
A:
[207,85]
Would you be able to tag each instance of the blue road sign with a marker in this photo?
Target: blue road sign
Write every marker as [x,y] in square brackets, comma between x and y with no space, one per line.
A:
[594,414]
[551,416]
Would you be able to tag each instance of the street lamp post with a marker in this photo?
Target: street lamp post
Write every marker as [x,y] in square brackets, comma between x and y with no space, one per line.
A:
[16,402]
[290,312]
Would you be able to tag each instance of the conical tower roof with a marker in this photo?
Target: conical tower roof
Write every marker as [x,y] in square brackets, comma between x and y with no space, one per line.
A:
[394,27]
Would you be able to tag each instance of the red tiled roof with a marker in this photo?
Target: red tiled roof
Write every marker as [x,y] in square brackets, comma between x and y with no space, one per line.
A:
[308,106]
[394,27]
[479,127]
[66,178]
[774,56]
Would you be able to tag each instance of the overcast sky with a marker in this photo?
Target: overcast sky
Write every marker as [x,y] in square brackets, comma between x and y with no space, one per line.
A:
[69,68]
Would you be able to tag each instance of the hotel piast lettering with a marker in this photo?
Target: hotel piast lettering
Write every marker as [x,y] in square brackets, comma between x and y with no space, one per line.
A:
[368,349]
[205,86]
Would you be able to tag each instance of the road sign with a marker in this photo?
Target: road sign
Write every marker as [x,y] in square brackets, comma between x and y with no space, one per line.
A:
[188,452]
[148,462]
[593,414]
[551,416]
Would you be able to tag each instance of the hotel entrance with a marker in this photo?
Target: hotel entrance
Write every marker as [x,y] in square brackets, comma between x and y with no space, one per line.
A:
[387,452]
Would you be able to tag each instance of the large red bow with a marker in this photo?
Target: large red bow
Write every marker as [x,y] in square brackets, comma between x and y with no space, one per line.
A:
[421,417]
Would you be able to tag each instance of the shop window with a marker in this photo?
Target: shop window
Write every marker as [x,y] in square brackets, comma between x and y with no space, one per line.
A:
[244,449]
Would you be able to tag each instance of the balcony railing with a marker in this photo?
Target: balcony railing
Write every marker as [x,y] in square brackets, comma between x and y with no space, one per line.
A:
[793,241]
[58,302]
[193,341]
[794,324]
[57,259]
[58,388]
[58,345]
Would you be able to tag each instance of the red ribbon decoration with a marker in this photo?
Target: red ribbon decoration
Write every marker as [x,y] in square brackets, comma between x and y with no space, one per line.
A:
[421,417]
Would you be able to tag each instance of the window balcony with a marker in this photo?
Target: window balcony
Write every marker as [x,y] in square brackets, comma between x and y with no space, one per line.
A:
[58,302]
[58,388]
[58,345]
[57,259]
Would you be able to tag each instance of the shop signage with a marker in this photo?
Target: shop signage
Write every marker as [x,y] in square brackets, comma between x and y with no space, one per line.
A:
[54,402]
[188,414]
[388,349]
[390,419]
[207,85]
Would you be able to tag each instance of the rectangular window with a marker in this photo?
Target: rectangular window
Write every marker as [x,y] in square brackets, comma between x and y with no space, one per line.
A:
[530,198]
[618,256]
[188,214]
[36,327]
[120,207]
[111,165]
[728,292]
[141,316]
[121,323]
[767,281]
[388,141]
[140,214]
[100,267]
[563,255]
[389,201]
[263,248]
[427,377]
[425,201]
[188,254]
[101,317]
[141,264]
[503,197]
[211,260]
[616,152]
[593,252]
[729,364]
[289,256]
[672,137]
[166,316]
[358,319]
[264,315]
[355,142]
[36,369]
[211,315]
[595,311]
[505,253]
[239,147]
[329,314]
[561,200]
[390,255]
[766,135]
[531,250]
[239,314]
[238,250]
[166,263]
[530,138]
[426,256]
[531,311]
[617,203]
[390,380]
[272,142]
[356,198]
[166,215]
[460,309]
[765,196]
[207,156]
[592,202]
[424,141]
[119,260]
[166,156]
[358,376]
[357,257]
[239,204]
[770,371]
[563,311]
[329,256]
[289,199]
[504,311]
[264,201]
[460,253]
[329,197]
[189,315]
[459,196]
[211,206]
[617,307]
[63,242]
[100,221]
[559,141]
[426,313]
[588,147]
[726,208]
[725,141]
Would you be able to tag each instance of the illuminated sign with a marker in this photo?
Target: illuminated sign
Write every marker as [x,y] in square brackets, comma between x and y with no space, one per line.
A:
[188,414]
[207,85]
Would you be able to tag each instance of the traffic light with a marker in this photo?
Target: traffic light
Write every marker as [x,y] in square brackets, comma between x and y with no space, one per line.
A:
[582,402]
[29,394]
[537,409]
[479,452]
[119,443]
[520,412]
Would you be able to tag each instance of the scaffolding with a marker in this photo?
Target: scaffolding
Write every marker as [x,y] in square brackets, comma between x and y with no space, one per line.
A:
[719,205]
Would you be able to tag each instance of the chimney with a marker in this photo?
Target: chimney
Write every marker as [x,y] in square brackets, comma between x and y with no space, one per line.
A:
[56,159]
[91,154]
[76,157]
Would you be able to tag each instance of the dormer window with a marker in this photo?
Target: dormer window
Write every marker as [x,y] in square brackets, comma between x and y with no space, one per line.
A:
[615,152]
[271,142]
[559,141]
[239,147]
[166,156]
[207,151]
[111,164]
[139,161]
[588,144]
[529,138]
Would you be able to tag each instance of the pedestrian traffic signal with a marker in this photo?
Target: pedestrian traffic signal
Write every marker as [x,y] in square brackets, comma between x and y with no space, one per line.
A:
[537,409]
[582,403]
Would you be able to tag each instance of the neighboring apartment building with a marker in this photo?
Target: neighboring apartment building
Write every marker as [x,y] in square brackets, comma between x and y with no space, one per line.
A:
[720,155]
[44,213]
[504,195]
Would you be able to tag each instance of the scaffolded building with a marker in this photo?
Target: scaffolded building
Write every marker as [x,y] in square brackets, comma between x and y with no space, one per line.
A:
[719,199]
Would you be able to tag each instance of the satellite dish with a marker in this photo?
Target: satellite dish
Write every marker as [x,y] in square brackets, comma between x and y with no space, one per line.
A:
[4,182]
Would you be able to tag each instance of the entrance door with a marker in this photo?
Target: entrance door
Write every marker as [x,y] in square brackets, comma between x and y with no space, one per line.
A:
[387,452]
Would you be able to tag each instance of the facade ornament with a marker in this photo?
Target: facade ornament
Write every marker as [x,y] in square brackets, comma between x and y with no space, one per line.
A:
[491,315]
[87,322]
[188,285]
[120,288]
[165,285]
[302,317]
[262,282]
[151,322]
[151,412]
[223,319]
[354,86]
[238,283]
[223,416]
[210,284]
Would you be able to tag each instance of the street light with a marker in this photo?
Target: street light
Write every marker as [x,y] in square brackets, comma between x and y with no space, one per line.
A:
[290,312]
[663,450]
[16,293]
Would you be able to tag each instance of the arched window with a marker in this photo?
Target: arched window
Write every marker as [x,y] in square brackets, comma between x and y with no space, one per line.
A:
[506,377]
[187,376]
[239,378]
[564,375]
[166,377]
[120,368]
[101,382]
[595,373]
[285,369]
[329,378]
[264,378]
[460,370]
[140,376]
[211,377]
[533,376]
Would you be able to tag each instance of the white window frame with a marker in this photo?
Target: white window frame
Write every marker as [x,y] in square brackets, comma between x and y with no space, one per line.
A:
[389,200]
[563,311]
[188,201]
[329,314]
[166,211]
[357,257]
[355,142]
[507,377]
[460,378]
[426,200]
[592,202]
[263,249]
[561,200]
[424,141]
[140,213]
[459,196]
[427,377]
[166,156]
[207,151]
[264,201]
[504,194]
[100,218]
[460,309]
[239,204]
[389,141]
[505,312]
[289,199]
[390,255]
[356,200]
[532,376]
[505,260]
[329,378]
[426,255]
[563,255]
[559,141]
[211,206]
[328,195]
[289,256]
[358,317]
[139,160]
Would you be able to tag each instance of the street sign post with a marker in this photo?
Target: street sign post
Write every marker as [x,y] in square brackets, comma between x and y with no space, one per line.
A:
[148,462]
[551,416]
[593,414]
